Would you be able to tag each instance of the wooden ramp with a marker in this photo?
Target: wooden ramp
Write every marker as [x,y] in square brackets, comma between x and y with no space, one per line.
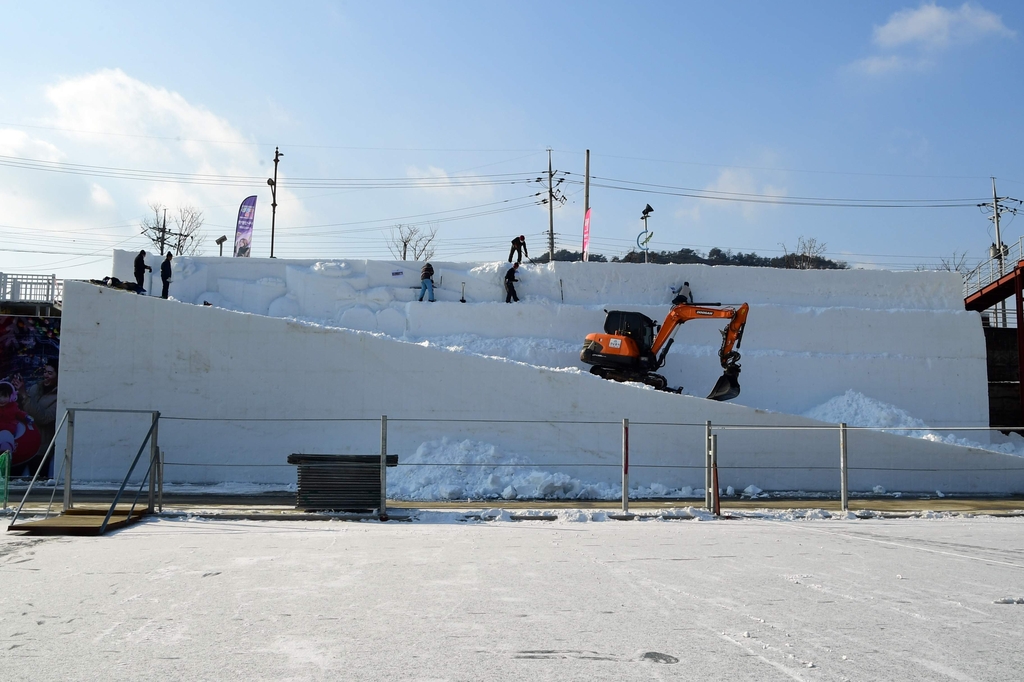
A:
[84,520]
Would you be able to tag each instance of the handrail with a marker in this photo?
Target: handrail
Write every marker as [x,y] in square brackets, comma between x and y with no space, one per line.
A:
[990,270]
[117,497]
[39,469]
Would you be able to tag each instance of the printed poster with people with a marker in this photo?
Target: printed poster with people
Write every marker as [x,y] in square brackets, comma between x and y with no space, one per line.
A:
[29,355]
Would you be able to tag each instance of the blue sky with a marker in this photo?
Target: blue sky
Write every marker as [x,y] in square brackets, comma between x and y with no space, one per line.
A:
[452,106]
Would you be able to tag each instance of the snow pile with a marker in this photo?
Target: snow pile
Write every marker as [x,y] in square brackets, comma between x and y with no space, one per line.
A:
[465,469]
[857,409]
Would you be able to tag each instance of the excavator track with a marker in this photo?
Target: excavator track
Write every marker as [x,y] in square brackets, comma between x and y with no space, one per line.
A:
[651,379]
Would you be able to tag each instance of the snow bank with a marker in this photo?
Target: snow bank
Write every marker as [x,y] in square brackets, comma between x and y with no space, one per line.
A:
[499,389]
[902,337]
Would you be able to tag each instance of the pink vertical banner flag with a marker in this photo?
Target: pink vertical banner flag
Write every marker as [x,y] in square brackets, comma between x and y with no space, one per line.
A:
[586,235]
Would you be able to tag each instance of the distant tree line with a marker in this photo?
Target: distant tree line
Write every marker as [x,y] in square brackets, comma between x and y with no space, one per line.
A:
[808,255]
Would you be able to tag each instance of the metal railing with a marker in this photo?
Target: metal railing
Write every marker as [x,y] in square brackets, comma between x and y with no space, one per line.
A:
[990,270]
[31,288]
[814,463]
[153,474]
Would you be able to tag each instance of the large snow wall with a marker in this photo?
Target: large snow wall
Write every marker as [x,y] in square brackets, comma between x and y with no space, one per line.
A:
[902,338]
[239,392]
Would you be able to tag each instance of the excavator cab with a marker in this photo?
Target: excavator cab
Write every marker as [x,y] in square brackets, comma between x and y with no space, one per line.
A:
[636,326]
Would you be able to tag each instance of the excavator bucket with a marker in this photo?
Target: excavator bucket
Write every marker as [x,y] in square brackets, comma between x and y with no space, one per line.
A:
[727,387]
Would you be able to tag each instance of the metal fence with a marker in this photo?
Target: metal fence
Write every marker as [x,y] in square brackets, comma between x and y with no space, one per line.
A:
[819,449]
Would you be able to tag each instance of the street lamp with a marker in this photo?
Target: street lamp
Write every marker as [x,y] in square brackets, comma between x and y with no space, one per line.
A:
[643,216]
[273,201]
[220,242]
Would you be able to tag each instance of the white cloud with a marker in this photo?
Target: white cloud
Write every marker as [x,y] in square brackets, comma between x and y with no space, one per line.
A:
[443,185]
[934,27]
[878,65]
[911,38]
[20,144]
[740,181]
[107,118]
[100,196]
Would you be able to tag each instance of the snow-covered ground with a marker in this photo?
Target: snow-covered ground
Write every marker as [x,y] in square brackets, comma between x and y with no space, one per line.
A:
[825,599]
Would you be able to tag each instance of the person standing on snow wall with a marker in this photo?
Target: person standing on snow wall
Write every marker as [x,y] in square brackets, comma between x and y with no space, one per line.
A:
[165,274]
[510,287]
[427,281]
[140,269]
[518,249]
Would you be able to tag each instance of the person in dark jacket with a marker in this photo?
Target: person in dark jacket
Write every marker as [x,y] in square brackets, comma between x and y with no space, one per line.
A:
[518,249]
[140,269]
[165,274]
[510,287]
[427,281]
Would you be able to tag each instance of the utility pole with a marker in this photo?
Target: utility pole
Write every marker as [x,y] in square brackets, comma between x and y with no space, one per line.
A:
[551,213]
[586,198]
[273,199]
[997,250]
[163,233]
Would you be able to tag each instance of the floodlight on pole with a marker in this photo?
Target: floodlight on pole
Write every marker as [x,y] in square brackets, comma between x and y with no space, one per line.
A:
[646,234]
[220,242]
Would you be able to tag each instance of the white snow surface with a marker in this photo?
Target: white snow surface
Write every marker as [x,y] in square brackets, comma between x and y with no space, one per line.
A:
[856,409]
[812,598]
[903,338]
[500,391]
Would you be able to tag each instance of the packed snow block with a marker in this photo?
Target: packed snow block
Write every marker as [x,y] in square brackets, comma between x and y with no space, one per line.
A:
[239,390]
[334,268]
[285,306]
[501,320]
[376,297]
[359,318]
[319,295]
[391,322]
[395,273]
[628,283]
[251,297]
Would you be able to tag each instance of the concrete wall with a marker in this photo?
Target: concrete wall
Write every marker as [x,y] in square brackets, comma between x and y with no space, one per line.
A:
[239,392]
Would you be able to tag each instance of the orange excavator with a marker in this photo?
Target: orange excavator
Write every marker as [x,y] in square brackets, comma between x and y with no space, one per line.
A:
[632,348]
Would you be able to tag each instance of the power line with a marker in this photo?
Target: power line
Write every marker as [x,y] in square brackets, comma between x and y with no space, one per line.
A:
[790,201]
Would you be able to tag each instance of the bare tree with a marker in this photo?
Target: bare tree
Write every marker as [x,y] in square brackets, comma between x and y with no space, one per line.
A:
[409,240]
[182,236]
[807,255]
[955,264]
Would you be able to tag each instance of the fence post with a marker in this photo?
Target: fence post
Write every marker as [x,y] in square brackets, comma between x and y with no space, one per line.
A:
[382,513]
[160,490]
[153,462]
[625,465]
[707,465]
[844,467]
[716,506]
[68,452]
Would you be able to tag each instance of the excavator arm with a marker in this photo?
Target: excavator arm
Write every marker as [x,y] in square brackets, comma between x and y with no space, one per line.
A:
[727,386]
